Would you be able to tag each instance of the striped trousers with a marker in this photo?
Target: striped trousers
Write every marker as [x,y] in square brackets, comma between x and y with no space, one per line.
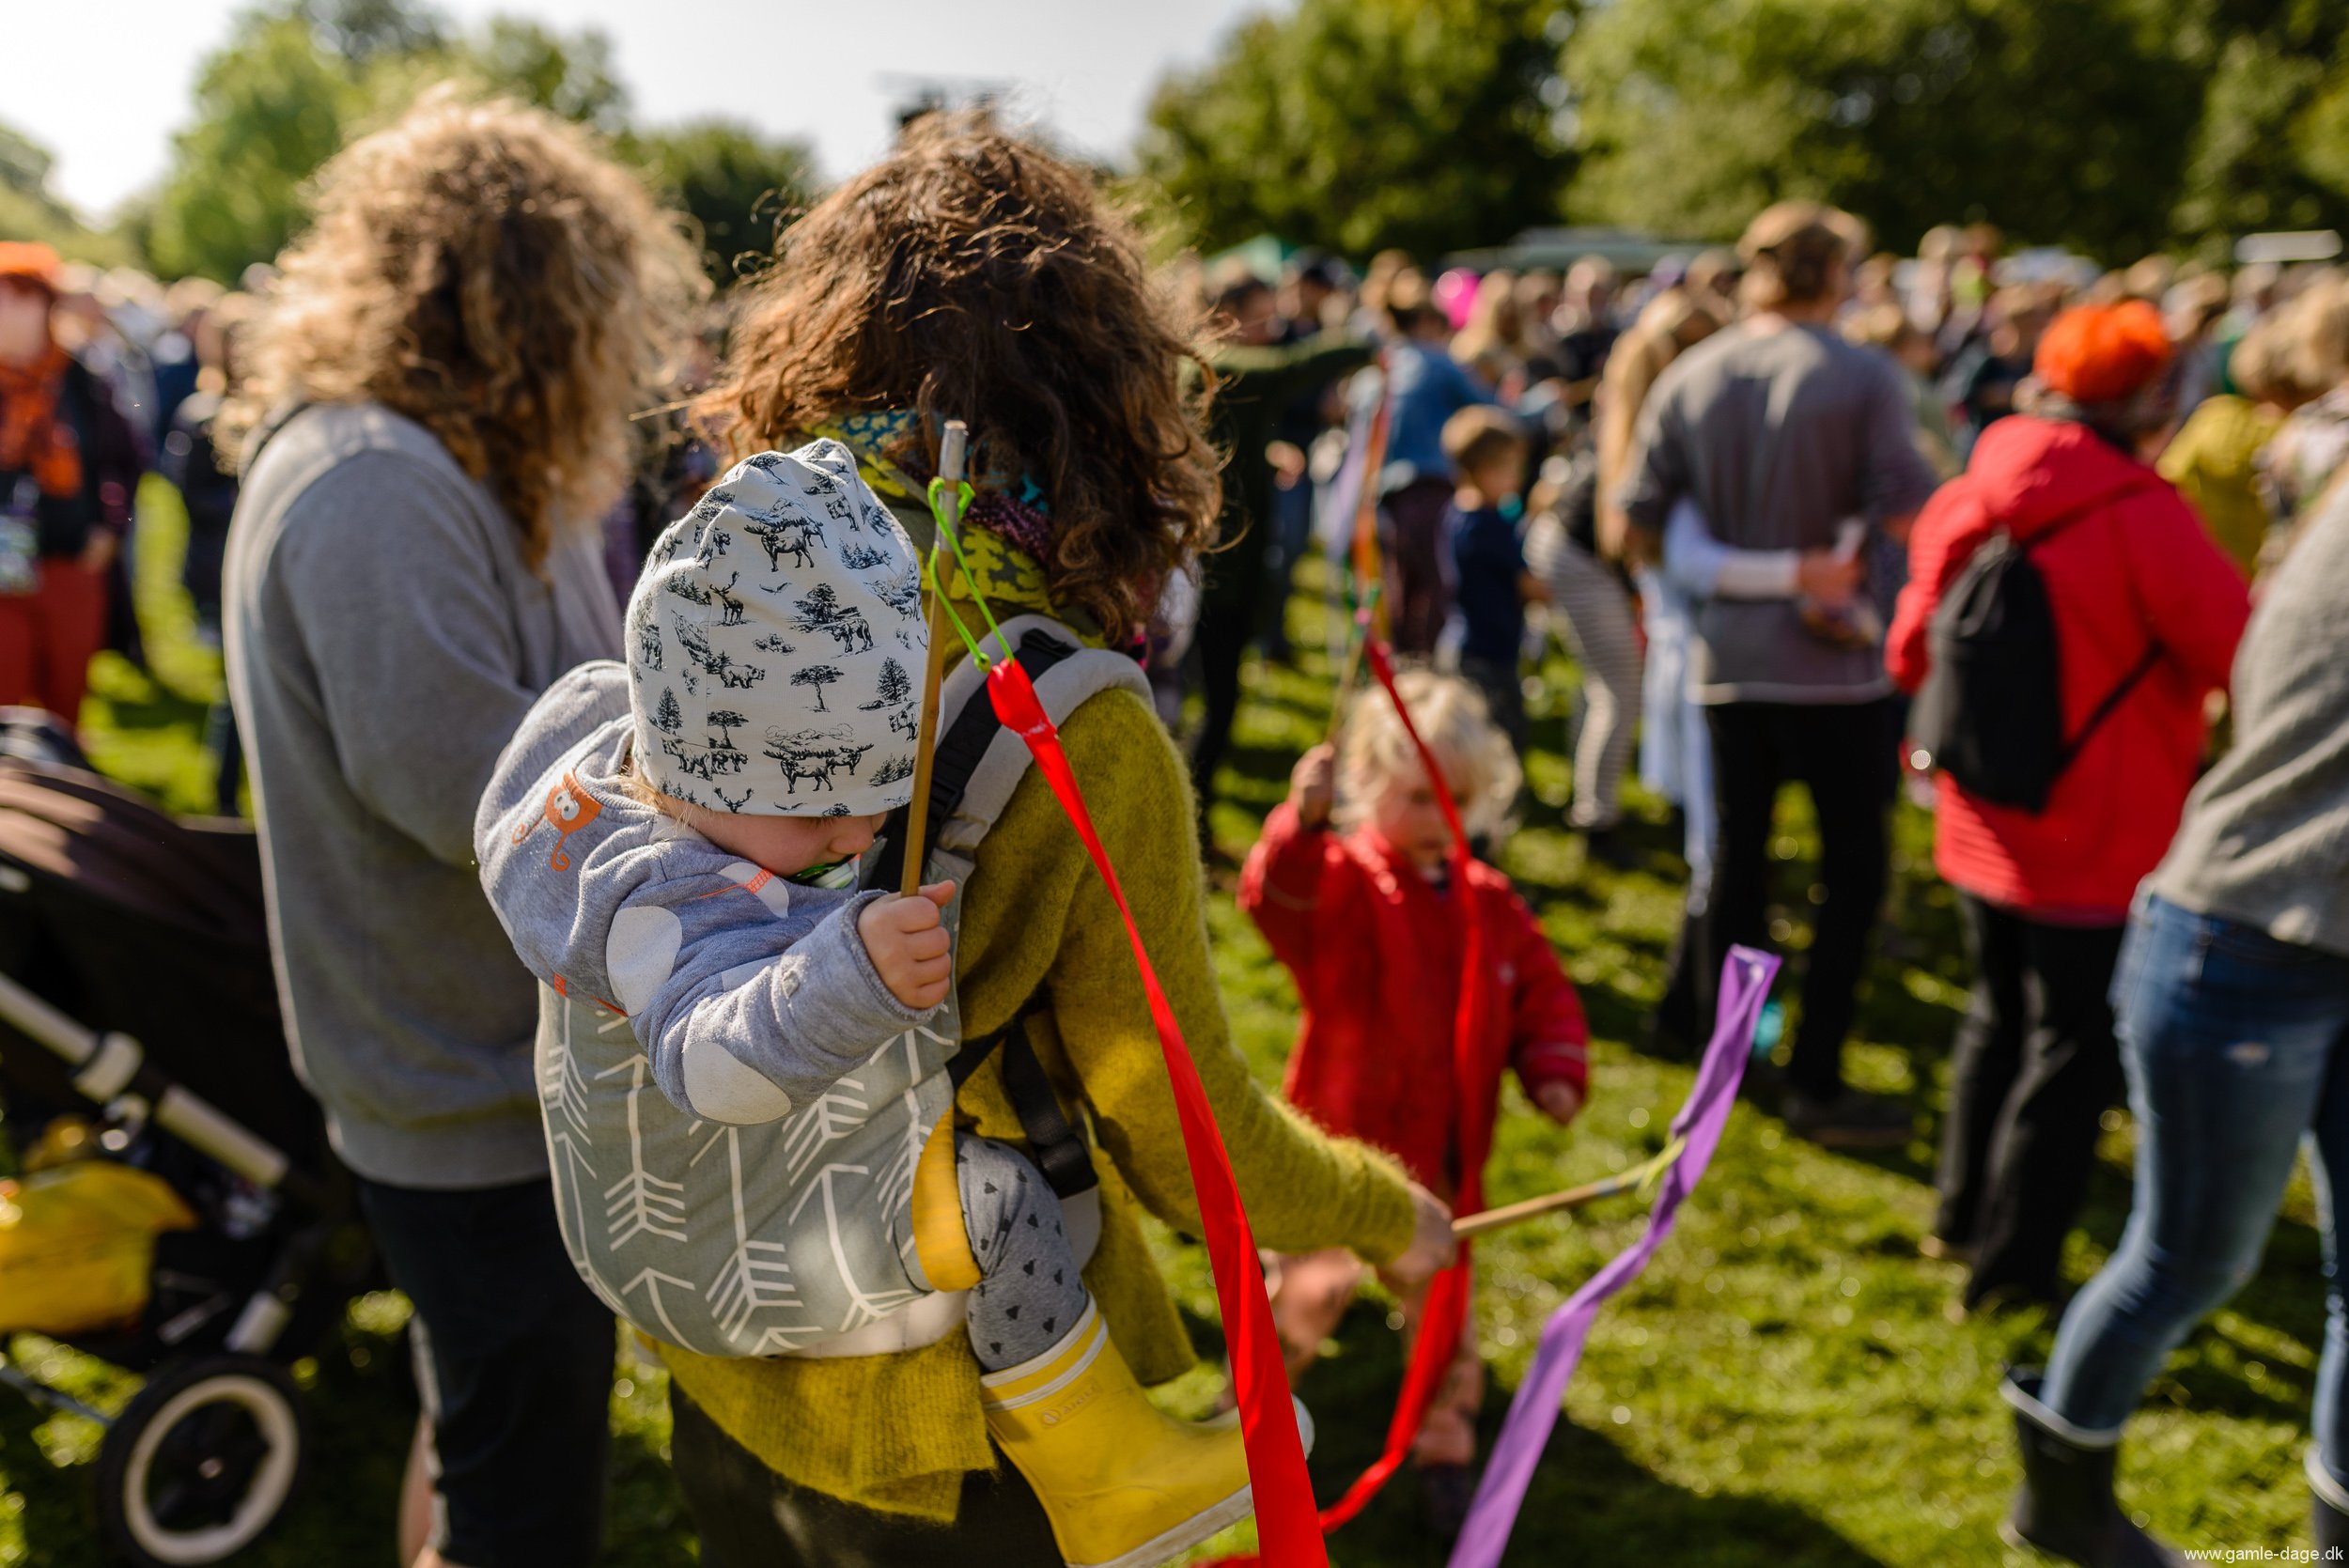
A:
[1586,593]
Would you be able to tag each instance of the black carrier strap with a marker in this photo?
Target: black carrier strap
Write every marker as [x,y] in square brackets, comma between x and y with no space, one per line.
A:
[960,750]
[1058,1146]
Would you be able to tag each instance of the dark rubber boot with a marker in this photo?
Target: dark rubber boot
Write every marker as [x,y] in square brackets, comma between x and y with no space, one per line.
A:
[2326,1517]
[2066,1507]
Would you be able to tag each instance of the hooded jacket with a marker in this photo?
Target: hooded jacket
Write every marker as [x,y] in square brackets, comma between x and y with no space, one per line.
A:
[2127,567]
[1376,953]
[751,994]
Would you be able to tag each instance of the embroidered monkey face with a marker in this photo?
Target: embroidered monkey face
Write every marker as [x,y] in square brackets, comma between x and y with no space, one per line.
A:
[569,808]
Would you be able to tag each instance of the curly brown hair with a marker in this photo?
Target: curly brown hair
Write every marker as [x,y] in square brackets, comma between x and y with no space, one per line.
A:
[976,275]
[488,270]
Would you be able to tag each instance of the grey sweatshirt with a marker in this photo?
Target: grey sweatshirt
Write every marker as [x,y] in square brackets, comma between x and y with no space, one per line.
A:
[1777,437]
[384,638]
[718,964]
[2265,839]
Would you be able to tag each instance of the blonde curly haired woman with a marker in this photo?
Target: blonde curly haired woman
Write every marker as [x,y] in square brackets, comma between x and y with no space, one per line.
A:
[436,414]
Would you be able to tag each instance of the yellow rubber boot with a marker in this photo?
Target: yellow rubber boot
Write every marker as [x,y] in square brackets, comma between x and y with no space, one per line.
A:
[1125,1486]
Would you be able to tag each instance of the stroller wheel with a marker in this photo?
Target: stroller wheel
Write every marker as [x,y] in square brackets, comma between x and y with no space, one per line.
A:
[201,1461]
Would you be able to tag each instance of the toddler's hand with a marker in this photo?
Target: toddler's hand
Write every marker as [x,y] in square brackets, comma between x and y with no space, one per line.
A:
[908,945]
[1562,1102]
[1432,1247]
[1314,784]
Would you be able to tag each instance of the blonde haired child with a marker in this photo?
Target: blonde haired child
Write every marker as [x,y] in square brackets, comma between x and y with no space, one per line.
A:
[1367,919]
[1374,755]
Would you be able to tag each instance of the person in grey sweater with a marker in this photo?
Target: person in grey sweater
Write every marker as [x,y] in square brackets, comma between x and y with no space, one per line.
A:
[1784,436]
[2232,1000]
[407,572]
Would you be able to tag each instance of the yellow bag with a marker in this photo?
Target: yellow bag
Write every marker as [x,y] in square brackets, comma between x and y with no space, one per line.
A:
[77,1242]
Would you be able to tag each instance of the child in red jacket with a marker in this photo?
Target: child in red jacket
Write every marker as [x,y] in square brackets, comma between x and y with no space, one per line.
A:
[1367,922]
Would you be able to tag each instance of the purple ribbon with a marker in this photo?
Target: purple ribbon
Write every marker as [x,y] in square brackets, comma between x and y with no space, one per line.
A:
[1745,985]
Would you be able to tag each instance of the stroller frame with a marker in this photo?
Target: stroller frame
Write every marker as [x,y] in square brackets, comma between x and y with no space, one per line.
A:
[111,1066]
[180,1399]
[201,1460]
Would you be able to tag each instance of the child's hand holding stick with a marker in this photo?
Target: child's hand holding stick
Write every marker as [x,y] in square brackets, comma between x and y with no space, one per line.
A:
[907,940]
[1313,785]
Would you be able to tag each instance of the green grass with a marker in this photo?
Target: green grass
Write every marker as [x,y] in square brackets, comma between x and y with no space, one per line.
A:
[1782,1387]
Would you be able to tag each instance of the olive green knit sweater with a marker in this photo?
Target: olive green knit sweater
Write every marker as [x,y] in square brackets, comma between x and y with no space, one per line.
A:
[896,1432]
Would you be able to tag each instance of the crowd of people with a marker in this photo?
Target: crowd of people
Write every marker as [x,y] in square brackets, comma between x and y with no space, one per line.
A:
[1788,463]
[1793,508]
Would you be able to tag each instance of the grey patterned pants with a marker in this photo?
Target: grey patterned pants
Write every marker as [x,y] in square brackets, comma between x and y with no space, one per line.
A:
[1597,611]
[1029,1291]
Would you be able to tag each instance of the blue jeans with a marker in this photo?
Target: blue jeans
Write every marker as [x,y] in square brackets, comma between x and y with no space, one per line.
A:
[2230,1039]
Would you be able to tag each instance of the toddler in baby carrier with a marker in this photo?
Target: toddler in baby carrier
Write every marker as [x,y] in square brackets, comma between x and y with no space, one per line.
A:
[747,1060]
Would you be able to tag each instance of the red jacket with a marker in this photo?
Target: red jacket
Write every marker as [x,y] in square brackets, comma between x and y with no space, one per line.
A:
[2137,568]
[1376,955]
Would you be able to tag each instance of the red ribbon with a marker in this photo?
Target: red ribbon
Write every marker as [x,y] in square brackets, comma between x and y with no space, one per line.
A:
[1446,1316]
[1286,1529]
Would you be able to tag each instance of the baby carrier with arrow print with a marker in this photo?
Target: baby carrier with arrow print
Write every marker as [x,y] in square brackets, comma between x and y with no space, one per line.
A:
[837,1230]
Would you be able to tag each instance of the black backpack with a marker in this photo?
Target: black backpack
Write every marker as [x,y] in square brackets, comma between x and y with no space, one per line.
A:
[1991,712]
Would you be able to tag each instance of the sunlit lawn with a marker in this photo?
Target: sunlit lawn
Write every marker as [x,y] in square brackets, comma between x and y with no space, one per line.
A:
[1782,1387]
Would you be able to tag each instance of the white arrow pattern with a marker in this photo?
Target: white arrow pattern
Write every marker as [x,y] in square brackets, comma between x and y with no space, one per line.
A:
[641,1202]
[734,1256]
[757,1275]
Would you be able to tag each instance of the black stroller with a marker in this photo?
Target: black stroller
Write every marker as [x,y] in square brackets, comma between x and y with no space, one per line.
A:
[135,992]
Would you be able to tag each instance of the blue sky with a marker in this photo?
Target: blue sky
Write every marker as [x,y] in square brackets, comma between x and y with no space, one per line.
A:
[103,83]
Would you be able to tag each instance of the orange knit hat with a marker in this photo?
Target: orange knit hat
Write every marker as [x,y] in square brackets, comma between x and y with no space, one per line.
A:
[29,261]
[2103,353]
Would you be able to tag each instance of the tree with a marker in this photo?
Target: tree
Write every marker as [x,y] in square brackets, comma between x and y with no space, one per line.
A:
[364,30]
[2272,150]
[726,721]
[2060,121]
[1359,124]
[30,211]
[295,83]
[819,608]
[668,718]
[894,685]
[741,188]
[818,676]
[270,108]
[569,74]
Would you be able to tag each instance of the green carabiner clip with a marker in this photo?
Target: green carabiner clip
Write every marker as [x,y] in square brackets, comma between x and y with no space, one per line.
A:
[947,537]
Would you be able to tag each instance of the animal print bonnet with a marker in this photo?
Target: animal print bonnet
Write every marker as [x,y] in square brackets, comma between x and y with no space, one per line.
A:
[775,645]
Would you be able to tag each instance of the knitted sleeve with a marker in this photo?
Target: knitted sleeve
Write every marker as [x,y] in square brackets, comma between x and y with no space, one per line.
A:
[1305,1188]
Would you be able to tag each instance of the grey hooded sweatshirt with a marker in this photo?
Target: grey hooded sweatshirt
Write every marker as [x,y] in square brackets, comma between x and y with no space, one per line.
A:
[749,994]
[384,636]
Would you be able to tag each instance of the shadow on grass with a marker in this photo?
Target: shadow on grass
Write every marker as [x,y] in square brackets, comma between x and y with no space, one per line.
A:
[58,1524]
[359,1410]
[1589,1500]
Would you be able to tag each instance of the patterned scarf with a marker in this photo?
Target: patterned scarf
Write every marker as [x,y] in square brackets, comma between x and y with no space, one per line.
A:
[893,454]
[33,440]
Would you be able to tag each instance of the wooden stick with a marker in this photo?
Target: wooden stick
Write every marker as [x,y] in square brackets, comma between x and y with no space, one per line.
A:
[1345,684]
[1572,1198]
[951,449]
